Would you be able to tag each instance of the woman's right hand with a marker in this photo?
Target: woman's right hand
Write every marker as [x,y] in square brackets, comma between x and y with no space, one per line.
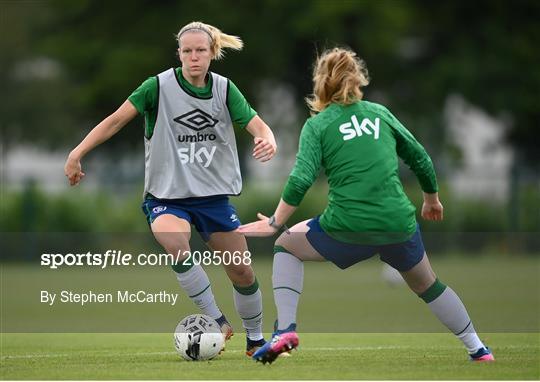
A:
[73,171]
[99,134]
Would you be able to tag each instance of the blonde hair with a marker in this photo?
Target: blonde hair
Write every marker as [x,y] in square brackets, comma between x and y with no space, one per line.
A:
[218,39]
[338,76]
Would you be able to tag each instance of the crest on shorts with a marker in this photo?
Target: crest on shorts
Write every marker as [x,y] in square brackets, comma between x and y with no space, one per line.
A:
[159,209]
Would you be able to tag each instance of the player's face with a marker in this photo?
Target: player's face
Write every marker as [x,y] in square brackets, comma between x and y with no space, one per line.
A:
[195,54]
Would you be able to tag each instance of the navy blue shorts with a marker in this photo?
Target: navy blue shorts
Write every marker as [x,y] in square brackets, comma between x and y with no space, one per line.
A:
[208,214]
[401,256]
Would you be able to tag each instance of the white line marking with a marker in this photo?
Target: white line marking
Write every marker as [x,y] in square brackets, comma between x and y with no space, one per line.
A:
[302,348]
[118,354]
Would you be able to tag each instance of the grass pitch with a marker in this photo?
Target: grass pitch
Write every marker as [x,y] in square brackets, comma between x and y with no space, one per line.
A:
[385,332]
[321,356]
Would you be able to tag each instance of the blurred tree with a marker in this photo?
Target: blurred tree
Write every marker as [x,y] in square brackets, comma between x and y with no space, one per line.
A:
[418,53]
[486,51]
[36,99]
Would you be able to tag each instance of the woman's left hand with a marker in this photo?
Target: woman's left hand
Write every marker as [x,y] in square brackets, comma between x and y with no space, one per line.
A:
[264,150]
[259,228]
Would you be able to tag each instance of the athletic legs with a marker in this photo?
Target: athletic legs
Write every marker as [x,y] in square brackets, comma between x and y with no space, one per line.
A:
[173,233]
[444,303]
[246,293]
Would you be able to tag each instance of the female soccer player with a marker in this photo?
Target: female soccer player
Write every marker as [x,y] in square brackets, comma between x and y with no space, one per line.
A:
[358,144]
[191,166]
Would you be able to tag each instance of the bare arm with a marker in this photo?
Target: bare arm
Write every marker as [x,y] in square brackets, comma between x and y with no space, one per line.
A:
[262,227]
[265,143]
[99,134]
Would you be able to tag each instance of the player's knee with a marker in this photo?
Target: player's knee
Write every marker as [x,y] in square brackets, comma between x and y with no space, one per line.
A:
[174,243]
[178,250]
[283,241]
[284,244]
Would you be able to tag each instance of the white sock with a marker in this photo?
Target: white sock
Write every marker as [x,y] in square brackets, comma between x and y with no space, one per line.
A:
[249,308]
[197,286]
[451,312]
[287,281]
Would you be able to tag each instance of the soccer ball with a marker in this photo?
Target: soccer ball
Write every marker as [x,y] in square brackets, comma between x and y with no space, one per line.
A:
[198,338]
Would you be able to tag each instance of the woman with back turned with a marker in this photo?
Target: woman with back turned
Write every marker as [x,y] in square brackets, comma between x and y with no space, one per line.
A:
[358,144]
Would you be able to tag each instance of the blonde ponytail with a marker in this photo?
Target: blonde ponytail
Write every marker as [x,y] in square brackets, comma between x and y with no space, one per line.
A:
[218,39]
[338,76]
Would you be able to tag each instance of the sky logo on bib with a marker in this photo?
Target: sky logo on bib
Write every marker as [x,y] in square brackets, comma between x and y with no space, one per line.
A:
[196,120]
[355,129]
[192,154]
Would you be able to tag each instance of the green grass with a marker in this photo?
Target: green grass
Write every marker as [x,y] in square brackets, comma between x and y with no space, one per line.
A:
[377,325]
[502,294]
[321,356]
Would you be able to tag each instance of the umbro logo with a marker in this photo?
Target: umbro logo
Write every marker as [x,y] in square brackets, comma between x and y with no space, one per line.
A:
[196,120]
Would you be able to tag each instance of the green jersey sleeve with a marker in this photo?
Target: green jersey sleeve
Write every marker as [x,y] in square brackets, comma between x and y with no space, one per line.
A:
[414,155]
[307,166]
[144,98]
[240,110]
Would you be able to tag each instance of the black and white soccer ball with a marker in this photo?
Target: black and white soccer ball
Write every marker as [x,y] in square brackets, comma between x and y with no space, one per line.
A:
[198,338]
